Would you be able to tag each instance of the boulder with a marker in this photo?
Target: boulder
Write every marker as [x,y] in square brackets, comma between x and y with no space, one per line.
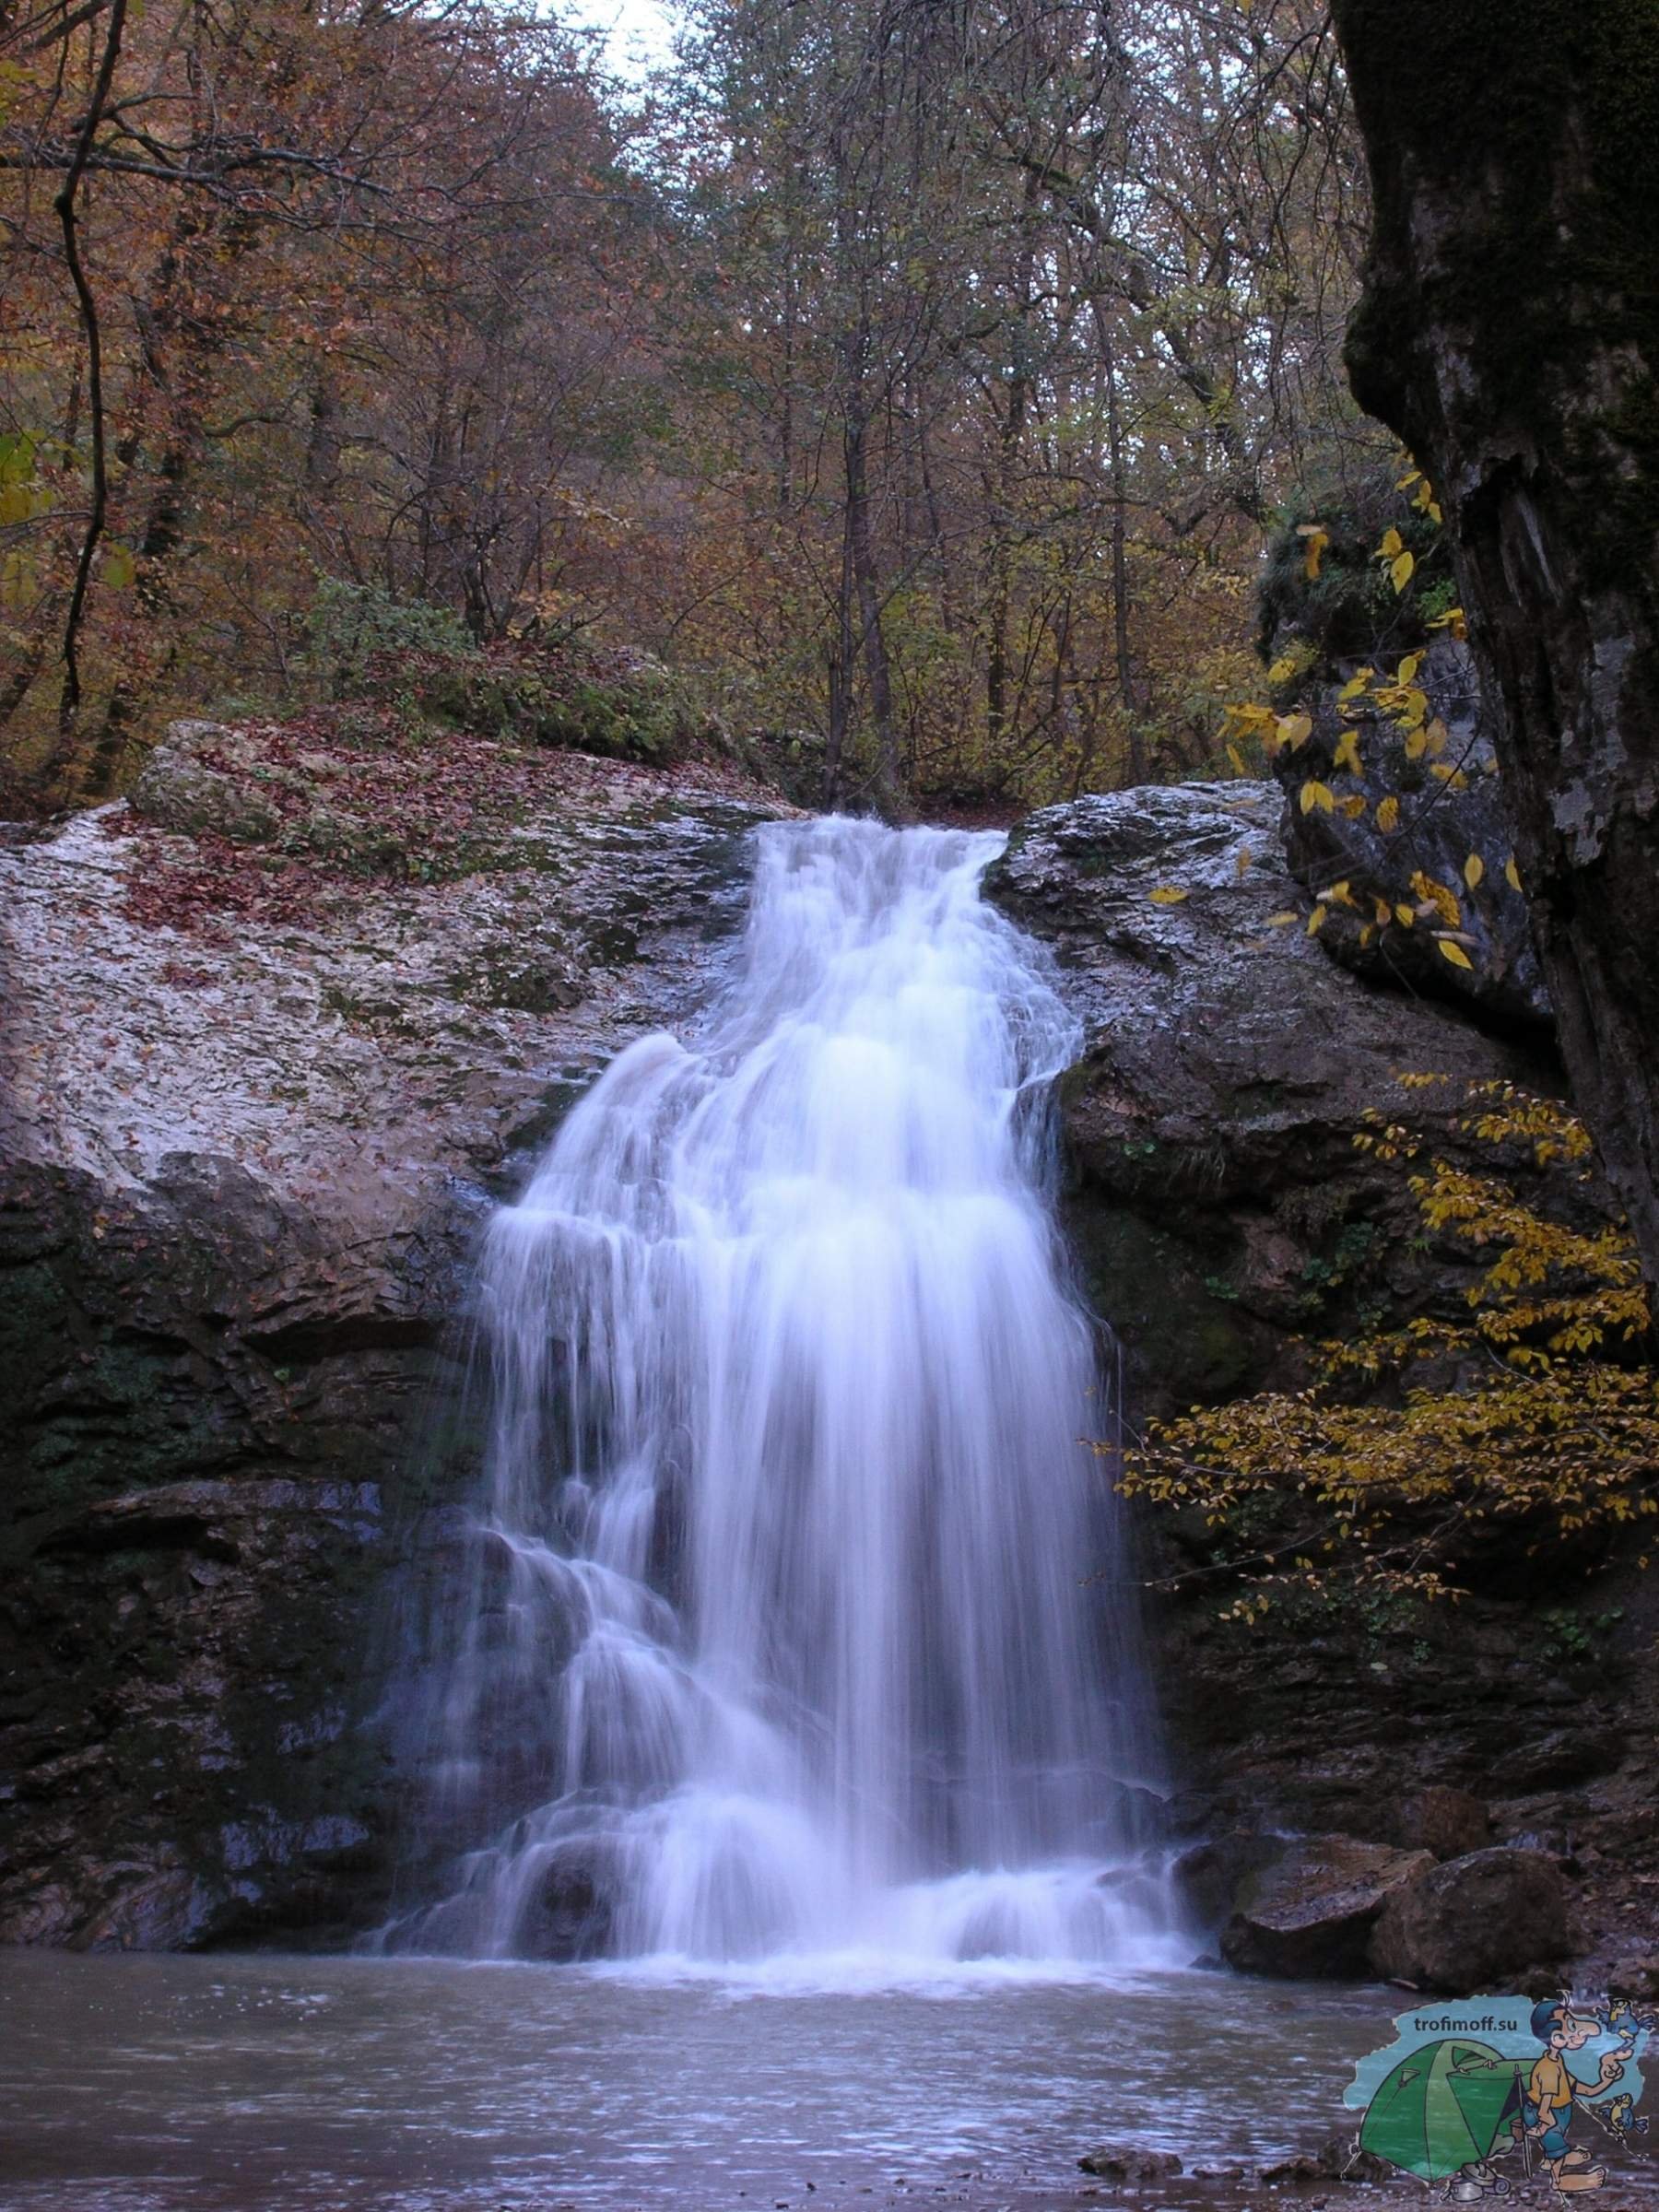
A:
[1112,2162]
[1475,1923]
[1207,1874]
[1338,2158]
[1310,1914]
[1450,1823]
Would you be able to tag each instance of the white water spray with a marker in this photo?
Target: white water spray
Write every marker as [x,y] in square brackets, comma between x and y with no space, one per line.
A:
[792,1633]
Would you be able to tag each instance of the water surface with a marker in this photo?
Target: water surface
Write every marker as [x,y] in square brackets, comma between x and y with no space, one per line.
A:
[157,2084]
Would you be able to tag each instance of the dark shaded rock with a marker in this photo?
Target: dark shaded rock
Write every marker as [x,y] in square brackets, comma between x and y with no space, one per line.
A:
[1219,1209]
[1466,1925]
[1563,1757]
[1439,828]
[1339,2158]
[1310,1914]
[1636,1977]
[1450,1823]
[1221,1216]
[1128,2164]
[1208,1874]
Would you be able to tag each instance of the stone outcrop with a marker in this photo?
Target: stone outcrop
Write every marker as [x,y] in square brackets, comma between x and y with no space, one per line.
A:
[1441,826]
[1221,1213]
[269,1048]
[1311,1911]
[1483,1922]
[1218,1203]
[274,1037]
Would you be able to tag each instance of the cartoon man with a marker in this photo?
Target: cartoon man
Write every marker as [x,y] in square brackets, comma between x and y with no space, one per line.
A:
[1552,2089]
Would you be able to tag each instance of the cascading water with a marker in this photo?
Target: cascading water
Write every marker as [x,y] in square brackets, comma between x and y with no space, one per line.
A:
[789,1629]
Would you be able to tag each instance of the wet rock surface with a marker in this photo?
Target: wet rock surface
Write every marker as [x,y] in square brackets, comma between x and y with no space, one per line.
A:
[1442,823]
[1222,1215]
[1475,1923]
[1217,1200]
[244,1160]
[1311,1911]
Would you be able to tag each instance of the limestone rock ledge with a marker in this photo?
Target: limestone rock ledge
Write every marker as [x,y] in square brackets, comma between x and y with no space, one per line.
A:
[244,1156]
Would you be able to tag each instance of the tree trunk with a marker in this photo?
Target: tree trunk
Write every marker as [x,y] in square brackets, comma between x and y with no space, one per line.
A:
[862,552]
[1510,333]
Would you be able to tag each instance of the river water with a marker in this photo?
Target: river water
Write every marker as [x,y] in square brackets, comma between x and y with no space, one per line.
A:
[245,2083]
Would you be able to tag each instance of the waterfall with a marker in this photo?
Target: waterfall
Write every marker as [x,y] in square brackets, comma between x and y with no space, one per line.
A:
[790,1627]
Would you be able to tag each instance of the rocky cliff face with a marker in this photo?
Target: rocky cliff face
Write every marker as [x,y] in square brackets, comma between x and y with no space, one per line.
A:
[274,1034]
[1218,1203]
[1220,1213]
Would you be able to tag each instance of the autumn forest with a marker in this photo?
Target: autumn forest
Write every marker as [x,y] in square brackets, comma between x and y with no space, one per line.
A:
[916,385]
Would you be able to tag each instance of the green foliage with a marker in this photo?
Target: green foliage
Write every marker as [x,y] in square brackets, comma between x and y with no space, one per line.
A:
[366,646]
[350,628]
[1533,1408]
[1323,591]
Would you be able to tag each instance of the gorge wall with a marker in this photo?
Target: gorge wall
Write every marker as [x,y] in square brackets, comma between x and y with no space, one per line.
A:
[277,1030]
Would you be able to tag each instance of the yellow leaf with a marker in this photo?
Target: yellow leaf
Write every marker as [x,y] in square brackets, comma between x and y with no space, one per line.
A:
[1355,685]
[1388,815]
[1437,736]
[1392,545]
[1405,916]
[1455,954]
[1347,755]
[1279,921]
[1417,744]
[1242,864]
[1407,673]
[1353,806]
[1316,919]
[1317,539]
[1168,894]
[1433,509]
[1412,475]
[1512,874]
[1295,729]
[1400,568]
[1317,794]
[1474,869]
[1236,757]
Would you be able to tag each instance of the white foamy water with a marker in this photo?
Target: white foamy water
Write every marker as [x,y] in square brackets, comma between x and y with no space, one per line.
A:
[789,1648]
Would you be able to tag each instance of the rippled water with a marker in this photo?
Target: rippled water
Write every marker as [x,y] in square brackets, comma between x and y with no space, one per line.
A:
[154,2084]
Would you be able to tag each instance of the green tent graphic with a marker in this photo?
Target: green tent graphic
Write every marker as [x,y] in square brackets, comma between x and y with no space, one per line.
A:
[1441,2107]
